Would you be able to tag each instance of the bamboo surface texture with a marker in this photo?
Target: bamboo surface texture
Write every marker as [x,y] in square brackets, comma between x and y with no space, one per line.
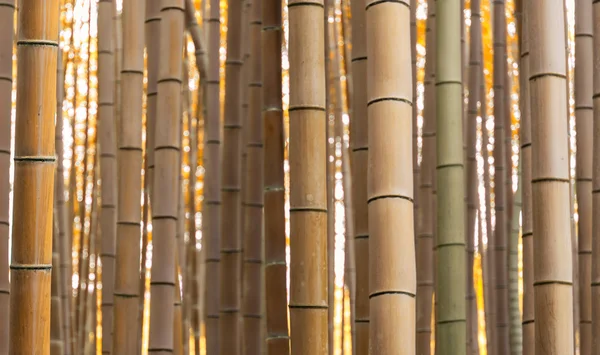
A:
[129,165]
[392,267]
[7,9]
[57,343]
[550,180]
[308,193]
[34,160]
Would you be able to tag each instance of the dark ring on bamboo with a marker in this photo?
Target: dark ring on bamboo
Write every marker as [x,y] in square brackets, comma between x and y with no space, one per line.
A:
[358,149]
[31,267]
[107,304]
[425,235]
[4,292]
[361,236]
[107,255]
[529,321]
[169,80]
[584,108]
[100,104]
[229,310]
[6,78]
[4,151]
[584,179]
[154,93]
[380,99]
[212,82]
[254,145]
[541,75]
[362,321]
[528,234]
[448,82]
[307,306]
[107,205]
[274,188]
[357,59]
[533,181]
[174,218]
[232,126]
[445,166]
[5,223]
[231,251]
[425,283]
[306,107]
[37,42]
[215,203]
[306,3]
[162,283]
[132,71]
[234,62]
[275,263]
[159,350]
[585,321]
[423,330]
[384,293]
[525,145]
[449,321]
[230,189]
[308,209]
[384,1]
[212,316]
[524,54]
[389,196]
[212,260]
[152,19]
[252,204]
[166,8]
[127,223]
[255,316]
[585,252]
[4,4]
[38,159]
[255,85]
[445,245]
[428,134]
[126,295]
[256,22]
[553,282]
[213,141]
[584,35]
[130,148]
[105,51]
[166,147]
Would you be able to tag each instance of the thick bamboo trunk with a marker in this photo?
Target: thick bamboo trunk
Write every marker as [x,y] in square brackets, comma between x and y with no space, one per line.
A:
[550,180]
[129,161]
[167,143]
[274,191]
[34,160]
[7,9]
[425,232]
[230,331]
[308,195]
[475,77]
[392,268]
[253,193]
[211,221]
[584,115]
[108,166]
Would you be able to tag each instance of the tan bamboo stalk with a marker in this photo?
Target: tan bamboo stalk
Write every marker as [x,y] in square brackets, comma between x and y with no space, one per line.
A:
[277,341]
[57,344]
[349,250]
[129,165]
[499,240]
[425,232]
[244,142]
[360,150]
[516,333]
[230,331]
[253,193]
[584,115]
[85,314]
[7,9]
[415,127]
[308,195]
[528,322]
[392,268]
[550,180]
[211,221]
[346,45]
[166,180]
[31,264]
[118,38]
[177,333]
[108,165]
[475,73]
[197,38]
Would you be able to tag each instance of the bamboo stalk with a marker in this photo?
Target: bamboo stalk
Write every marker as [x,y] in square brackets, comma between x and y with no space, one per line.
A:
[31,264]
[308,194]
[274,192]
[129,165]
[57,344]
[392,267]
[550,180]
[415,127]
[516,333]
[7,9]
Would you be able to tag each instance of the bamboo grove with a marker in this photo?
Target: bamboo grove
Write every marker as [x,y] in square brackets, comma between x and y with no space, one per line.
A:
[304,177]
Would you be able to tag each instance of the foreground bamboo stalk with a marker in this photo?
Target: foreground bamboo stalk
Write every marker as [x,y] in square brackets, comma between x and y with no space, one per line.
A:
[392,269]
[274,192]
[129,161]
[7,9]
[550,180]
[596,183]
[308,194]
[34,159]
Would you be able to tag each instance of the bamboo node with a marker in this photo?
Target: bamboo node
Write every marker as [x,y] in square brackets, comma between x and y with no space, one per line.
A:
[41,267]
[306,107]
[37,42]
[308,306]
[398,99]
[405,3]
[35,159]
[388,293]
[375,198]
[305,3]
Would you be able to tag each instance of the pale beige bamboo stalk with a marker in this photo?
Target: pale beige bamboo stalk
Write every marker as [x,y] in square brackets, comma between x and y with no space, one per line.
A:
[211,222]
[516,332]
[34,161]
[349,249]
[7,9]
[167,145]
[392,267]
[277,341]
[330,115]
[308,194]
[584,115]
[415,127]
[550,180]
[86,313]
[57,344]
[253,193]
[129,165]
[118,38]
[425,232]
[197,38]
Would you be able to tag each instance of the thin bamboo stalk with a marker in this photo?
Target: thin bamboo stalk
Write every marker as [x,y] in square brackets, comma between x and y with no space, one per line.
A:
[166,180]
[253,193]
[308,194]
[34,160]
[392,267]
[129,165]
[211,222]
[415,127]
[88,290]
[550,180]
[584,115]
[516,332]
[7,9]
[118,38]
[274,192]
[57,344]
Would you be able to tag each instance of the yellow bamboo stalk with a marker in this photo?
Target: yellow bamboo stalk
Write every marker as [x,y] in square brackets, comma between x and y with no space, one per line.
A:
[7,9]
[31,264]
[550,180]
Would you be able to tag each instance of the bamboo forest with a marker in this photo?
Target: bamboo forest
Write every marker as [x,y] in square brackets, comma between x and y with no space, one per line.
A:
[300,177]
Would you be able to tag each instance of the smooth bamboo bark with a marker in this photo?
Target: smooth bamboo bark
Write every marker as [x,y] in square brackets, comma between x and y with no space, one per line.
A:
[392,268]
[528,322]
[584,115]
[34,159]
[308,192]
[197,38]
[57,344]
[108,166]
[253,193]
[7,9]
[349,249]
[129,165]
[516,333]
[415,114]
[425,232]
[277,341]
[167,143]
[211,221]
[550,180]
